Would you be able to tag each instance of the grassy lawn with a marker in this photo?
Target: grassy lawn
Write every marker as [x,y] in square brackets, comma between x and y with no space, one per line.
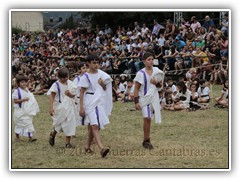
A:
[183,140]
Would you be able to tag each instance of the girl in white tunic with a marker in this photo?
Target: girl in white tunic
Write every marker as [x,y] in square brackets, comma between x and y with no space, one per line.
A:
[95,101]
[146,95]
[25,107]
[62,107]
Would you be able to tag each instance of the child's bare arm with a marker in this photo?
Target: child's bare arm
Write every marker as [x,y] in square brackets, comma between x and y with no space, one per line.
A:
[18,101]
[100,81]
[82,112]
[52,96]
[136,95]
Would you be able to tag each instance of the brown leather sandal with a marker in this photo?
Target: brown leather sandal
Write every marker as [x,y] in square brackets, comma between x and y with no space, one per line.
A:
[104,152]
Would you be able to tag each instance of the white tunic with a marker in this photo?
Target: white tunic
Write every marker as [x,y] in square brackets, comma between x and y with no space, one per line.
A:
[148,92]
[64,118]
[24,112]
[97,102]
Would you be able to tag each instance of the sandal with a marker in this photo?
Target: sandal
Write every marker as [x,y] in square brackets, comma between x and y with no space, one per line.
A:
[51,140]
[32,140]
[147,144]
[88,150]
[104,152]
[69,145]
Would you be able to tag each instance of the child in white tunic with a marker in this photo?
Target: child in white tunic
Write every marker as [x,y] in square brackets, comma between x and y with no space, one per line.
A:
[146,95]
[95,101]
[203,92]
[62,107]
[25,107]
[222,101]
[182,97]
[81,121]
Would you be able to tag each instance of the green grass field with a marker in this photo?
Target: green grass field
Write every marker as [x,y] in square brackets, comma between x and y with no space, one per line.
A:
[183,140]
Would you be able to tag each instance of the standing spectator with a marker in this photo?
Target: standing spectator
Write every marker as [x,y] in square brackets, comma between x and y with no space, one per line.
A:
[208,23]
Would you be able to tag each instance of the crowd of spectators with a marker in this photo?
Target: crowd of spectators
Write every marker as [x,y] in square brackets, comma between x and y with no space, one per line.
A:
[176,49]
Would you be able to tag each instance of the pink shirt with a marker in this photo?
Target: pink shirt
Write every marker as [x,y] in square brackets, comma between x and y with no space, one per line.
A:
[194,26]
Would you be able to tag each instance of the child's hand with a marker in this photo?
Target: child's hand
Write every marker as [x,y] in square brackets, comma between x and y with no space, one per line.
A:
[26,99]
[67,93]
[51,112]
[82,112]
[137,106]
[154,81]
[100,81]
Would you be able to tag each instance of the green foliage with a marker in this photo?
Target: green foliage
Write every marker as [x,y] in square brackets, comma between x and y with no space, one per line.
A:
[69,24]
[16,30]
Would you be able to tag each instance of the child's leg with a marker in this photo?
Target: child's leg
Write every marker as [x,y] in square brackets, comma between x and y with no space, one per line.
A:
[146,128]
[104,151]
[146,131]
[95,132]
[52,137]
[90,137]
[17,137]
[68,142]
[30,137]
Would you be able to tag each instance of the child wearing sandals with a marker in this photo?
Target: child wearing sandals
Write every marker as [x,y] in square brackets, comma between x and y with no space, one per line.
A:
[25,107]
[95,102]
[62,107]
[222,101]
[146,95]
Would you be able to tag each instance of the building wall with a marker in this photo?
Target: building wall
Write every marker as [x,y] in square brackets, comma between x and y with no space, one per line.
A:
[28,21]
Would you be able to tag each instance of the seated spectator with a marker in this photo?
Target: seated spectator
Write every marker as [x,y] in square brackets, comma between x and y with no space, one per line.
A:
[222,101]
[203,91]
[200,43]
[171,29]
[199,58]
[118,89]
[224,25]
[194,23]
[182,98]
[129,91]
[208,23]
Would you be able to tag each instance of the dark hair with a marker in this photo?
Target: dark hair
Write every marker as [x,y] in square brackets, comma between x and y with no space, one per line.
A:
[63,72]
[92,57]
[82,64]
[202,81]
[146,55]
[129,80]
[183,86]
[20,78]
[169,79]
